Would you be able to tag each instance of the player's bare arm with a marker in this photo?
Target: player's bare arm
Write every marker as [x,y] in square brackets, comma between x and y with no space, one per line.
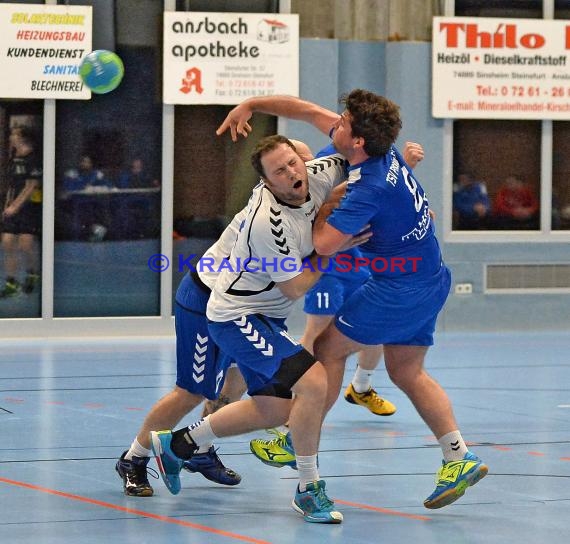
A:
[297,287]
[336,194]
[237,120]
[328,240]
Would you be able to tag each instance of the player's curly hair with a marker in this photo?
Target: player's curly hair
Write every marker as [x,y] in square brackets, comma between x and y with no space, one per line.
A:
[374,118]
[265,145]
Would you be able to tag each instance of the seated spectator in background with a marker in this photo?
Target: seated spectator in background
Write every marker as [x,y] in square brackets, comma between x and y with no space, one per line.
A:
[564,215]
[516,205]
[470,203]
[85,217]
[136,177]
[138,213]
[85,177]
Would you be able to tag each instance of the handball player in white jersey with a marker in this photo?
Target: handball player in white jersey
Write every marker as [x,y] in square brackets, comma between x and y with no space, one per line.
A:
[271,265]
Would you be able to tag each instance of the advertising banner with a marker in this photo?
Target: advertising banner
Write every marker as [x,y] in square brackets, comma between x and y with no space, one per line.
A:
[491,68]
[42,47]
[223,58]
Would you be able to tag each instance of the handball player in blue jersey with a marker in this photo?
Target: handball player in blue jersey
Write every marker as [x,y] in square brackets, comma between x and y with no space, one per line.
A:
[344,276]
[409,283]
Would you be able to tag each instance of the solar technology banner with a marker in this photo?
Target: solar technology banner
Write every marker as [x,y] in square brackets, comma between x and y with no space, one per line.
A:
[492,68]
[223,58]
[42,47]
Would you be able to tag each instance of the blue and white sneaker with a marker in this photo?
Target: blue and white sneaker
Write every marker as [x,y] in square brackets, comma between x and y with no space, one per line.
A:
[169,465]
[314,504]
[210,466]
[453,479]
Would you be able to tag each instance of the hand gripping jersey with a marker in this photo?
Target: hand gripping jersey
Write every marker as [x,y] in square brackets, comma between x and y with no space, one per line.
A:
[273,240]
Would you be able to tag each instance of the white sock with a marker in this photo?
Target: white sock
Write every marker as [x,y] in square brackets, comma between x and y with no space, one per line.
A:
[307,469]
[453,446]
[202,434]
[362,380]
[136,450]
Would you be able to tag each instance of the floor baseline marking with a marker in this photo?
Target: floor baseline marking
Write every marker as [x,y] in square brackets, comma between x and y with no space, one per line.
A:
[387,511]
[143,513]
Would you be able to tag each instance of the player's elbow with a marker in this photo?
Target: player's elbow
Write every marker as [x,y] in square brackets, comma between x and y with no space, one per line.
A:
[292,291]
[295,294]
[324,247]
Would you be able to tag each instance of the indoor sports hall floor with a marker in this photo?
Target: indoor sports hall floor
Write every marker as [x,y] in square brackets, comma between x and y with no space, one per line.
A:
[69,409]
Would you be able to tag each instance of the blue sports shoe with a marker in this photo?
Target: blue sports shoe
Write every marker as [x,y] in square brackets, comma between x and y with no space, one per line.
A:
[169,465]
[453,479]
[211,467]
[314,504]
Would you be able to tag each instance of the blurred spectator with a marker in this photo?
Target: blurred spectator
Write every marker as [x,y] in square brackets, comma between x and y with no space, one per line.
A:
[22,214]
[85,177]
[136,177]
[86,217]
[560,211]
[516,205]
[470,203]
[137,215]
[564,218]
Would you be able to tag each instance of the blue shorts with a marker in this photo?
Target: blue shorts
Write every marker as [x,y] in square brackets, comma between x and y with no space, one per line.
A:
[200,364]
[328,294]
[388,311]
[263,351]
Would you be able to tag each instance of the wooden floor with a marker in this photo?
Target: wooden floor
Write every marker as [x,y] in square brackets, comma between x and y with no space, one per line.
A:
[69,409]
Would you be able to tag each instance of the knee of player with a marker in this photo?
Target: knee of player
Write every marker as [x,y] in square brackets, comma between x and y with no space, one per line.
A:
[313,383]
[185,398]
[321,347]
[328,350]
[403,376]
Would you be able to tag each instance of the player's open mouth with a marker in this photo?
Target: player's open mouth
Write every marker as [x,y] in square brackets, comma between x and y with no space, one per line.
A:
[298,184]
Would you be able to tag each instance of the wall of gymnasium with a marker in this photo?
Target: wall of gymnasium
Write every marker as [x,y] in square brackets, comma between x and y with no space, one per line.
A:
[402,72]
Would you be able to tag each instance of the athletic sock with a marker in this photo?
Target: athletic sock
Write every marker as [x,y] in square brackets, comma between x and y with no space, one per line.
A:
[136,450]
[453,446]
[362,380]
[186,442]
[307,470]
[204,448]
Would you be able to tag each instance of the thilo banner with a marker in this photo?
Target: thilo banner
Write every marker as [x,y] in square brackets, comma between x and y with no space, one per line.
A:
[500,68]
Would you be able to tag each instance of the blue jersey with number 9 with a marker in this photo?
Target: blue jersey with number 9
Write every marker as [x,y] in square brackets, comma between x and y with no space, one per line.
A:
[383,193]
